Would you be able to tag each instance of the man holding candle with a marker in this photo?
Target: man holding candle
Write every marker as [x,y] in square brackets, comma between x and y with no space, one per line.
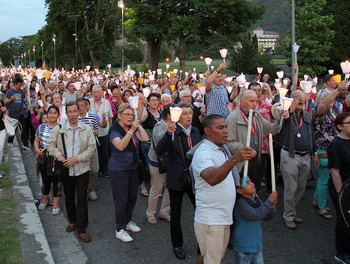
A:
[216,178]
[298,146]
[216,98]
[237,133]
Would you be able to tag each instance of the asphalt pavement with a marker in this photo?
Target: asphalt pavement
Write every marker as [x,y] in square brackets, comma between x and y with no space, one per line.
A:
[312,242]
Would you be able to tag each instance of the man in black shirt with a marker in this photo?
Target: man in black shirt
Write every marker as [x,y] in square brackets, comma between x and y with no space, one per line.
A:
[298,146]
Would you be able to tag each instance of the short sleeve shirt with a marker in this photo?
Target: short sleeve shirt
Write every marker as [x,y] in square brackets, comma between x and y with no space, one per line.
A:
[43,132]
[339,156]
[214,204]
[15,107]
[216,100]
[99,109]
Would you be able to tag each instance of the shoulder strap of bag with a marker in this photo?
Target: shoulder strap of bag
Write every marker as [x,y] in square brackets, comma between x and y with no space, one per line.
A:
[63,143]
[182,152]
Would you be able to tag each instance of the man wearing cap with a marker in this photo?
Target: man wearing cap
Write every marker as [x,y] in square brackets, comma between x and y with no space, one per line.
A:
[237,125]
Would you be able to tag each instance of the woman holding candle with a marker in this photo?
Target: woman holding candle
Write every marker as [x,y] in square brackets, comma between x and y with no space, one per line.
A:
[185,137]
[325,131]
[124,137]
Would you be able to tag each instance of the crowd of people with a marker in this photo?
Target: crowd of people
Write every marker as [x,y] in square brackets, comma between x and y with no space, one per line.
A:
[89,124]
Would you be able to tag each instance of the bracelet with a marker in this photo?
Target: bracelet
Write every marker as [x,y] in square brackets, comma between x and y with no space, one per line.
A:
[130,133]
[217,71]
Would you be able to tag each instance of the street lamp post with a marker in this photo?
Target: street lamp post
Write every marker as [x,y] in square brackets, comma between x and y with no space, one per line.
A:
[293,39]
[24,54]
[34,55]
[42,52]
[29,57]
[54,49]
[121,5]
[76,51]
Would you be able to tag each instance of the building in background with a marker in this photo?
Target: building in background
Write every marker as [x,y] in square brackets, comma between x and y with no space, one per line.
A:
[267,40]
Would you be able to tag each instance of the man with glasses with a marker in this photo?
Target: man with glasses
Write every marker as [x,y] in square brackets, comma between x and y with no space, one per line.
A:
[237,125]
[80,145]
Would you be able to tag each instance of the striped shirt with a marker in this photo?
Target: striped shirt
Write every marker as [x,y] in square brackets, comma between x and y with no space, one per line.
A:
[90,120]
[43,132]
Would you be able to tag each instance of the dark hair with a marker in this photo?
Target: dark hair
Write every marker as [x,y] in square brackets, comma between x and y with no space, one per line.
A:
[68,83]
[340,118]
[328,77]
[166,110]
[71,103]
[208,120]
[41,117]
[18,80]
[82,99]
[54,107]
[114,86]
[153,95]
[253,84]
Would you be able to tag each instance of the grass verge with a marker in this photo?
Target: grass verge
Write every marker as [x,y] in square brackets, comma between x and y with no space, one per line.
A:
[10,245]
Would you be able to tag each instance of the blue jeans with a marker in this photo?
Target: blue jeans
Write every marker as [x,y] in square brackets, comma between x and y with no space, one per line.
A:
[249,258]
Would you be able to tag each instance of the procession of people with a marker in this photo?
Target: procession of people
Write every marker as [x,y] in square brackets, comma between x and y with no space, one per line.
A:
[219,139]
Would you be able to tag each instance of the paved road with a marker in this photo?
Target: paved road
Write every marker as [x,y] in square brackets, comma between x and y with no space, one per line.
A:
[312,242]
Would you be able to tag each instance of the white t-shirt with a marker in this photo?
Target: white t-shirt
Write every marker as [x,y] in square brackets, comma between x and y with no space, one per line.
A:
[103,107]
[214,204]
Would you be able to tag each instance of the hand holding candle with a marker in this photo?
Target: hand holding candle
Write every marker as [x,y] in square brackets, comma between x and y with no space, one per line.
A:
[246,163]
[175,113]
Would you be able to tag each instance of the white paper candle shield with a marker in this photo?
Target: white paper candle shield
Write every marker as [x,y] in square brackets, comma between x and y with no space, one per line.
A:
[278,85]
[167,66]
[151,77]
[29,78]
[260,69]
[194,76]
[175,113]
[306,77]
[229,89]
[280,74]
[40,103]
[296,48]
[283,92]
[109,66]
[331,71]
[315,80]
[229,79]
[88,68]
[314,90]
[202,89]
[77,85]
[175,71]
[146,92]
[285,82]
[345,66]
[212,67]
[159,71]
[132,73]
[134,101]
[223,53]
[208,61]
[286,103]
[40,74]
[201,76]
[194,69]
[306,85]
[241,79]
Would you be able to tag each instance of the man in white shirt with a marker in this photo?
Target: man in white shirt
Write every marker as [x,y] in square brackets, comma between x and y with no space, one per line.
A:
[99,105]
[215,178]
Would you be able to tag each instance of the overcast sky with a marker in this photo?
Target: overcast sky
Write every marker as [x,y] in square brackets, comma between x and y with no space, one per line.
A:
[21,18]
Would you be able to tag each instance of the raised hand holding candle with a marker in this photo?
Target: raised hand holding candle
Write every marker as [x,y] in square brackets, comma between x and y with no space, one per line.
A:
[134,103]
[246,162]
[175,113]
[273,180]
[208,61]
[223,53]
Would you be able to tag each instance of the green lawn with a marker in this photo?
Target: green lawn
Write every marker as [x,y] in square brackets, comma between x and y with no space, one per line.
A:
[10,246]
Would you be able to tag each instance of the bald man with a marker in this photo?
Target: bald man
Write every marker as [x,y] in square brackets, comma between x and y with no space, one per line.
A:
[237,125]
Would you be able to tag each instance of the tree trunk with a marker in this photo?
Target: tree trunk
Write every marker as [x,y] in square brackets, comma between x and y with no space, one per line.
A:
[80,51]
[182,56]
[154,50]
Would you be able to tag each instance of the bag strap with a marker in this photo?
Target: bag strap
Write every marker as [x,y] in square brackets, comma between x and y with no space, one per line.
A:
[182,152]
[63,142]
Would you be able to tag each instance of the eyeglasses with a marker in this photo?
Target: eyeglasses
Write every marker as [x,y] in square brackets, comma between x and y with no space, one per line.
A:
[129,115]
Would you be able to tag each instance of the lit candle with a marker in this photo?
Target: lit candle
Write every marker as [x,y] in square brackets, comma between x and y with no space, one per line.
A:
[273,180]
[246,163]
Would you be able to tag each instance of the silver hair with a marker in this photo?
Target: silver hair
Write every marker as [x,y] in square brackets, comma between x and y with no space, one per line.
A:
[165,96]
[321,96]
[97,86]
[182,93]
[244,94]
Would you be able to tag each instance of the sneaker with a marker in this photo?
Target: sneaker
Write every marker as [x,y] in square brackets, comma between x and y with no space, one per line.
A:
[56,211]
[131,226]
[10,144]
[342,258]
[50,201]
[42,206]
[25,148]
[123,236]
[93,196]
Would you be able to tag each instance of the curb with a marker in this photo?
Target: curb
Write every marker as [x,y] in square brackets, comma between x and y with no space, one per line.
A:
[35,247]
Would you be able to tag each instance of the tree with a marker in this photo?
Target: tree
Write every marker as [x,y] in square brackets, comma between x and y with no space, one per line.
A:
[187,21]
[13,47]
[314,36]
[340,50]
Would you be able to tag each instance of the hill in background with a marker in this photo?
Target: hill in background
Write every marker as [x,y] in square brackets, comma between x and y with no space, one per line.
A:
[277,16]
